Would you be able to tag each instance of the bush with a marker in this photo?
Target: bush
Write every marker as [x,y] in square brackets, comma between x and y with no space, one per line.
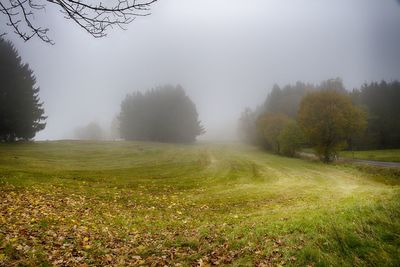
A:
[270,125]
[291,139]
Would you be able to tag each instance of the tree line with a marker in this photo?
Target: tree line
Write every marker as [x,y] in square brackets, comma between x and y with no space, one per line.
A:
[162,114]
[381,104]
[326,117]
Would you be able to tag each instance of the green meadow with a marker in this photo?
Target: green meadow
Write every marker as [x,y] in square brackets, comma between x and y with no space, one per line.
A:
[71,203]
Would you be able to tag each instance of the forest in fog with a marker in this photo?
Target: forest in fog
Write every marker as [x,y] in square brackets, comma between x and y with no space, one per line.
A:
[199,133]
[378,101]
[326,117]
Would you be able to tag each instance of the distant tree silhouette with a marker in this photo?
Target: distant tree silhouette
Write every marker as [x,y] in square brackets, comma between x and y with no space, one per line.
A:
[114,132]
[92,131]
[21,112]
[286,100]
[247,128]
[164,114]
[381,102]
[95,17]
[332,85]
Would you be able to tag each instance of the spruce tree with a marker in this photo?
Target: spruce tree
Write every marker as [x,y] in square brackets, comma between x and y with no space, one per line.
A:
[21,112]
[164,114]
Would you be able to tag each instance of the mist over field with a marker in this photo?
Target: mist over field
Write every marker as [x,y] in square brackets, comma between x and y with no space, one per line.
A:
[226,54]
[207,133]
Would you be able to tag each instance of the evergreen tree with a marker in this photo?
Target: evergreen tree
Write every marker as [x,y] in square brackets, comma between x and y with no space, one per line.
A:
[165,114]
[287,100]
[381,102]
[21,112]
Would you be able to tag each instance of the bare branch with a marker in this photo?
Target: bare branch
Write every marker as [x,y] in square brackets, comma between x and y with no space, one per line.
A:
[95,18]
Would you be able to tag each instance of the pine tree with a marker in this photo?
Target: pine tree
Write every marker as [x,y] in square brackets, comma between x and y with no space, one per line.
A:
[164,114]
[21,112]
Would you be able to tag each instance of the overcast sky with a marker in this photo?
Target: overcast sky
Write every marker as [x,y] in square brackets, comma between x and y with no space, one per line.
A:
[227,54]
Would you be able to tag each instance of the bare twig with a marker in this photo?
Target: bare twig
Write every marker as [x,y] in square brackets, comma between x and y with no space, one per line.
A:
[94,18]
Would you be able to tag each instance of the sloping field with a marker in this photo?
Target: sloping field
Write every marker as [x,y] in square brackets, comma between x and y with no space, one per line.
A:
[123,203]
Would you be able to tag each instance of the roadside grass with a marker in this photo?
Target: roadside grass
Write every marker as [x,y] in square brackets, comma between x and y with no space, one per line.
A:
[129,203]
[387,155]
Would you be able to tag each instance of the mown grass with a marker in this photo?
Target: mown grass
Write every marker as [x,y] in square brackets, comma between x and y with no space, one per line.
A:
[388,155]
[125,203]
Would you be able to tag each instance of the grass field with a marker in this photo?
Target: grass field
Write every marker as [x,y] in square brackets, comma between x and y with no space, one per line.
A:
[121,203]
[388,155]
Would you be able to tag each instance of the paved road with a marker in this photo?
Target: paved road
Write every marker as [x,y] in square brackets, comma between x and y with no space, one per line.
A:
[375,163]
[360,161]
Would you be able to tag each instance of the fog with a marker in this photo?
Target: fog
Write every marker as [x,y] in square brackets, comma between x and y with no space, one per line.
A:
[227,54]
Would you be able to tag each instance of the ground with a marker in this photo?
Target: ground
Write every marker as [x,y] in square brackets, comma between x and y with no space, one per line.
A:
[124,203]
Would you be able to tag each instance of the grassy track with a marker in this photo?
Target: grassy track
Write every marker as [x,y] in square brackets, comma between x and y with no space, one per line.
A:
[122,203]
[388,155]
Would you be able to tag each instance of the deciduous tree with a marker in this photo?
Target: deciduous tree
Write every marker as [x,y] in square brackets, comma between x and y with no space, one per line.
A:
[271,126]
[328,118]
[291,139]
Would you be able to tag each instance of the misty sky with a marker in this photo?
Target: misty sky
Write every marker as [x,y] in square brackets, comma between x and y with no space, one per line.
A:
[227,54]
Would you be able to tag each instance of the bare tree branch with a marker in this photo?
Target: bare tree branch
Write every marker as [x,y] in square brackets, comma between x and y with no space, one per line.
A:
[94,17]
